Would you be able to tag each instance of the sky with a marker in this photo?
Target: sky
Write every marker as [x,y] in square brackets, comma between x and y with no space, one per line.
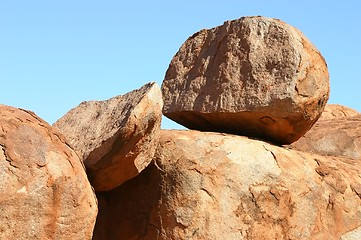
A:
[56,54]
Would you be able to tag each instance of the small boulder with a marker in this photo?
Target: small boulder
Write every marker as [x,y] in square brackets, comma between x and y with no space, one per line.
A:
[115,138]
[336,133]
[253,76]
[44,190]
[336,111]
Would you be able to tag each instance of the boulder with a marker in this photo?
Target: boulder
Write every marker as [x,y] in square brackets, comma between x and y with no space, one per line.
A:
[115,138]
[336,111]
[253,76]
[44,190]
[219,186]
[337,133]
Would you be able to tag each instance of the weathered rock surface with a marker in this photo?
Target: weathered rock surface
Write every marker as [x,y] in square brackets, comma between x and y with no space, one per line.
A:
[44,191]
[131,210]
[218,186]
[115,138]
[253,76]
[336,133]
[337,111]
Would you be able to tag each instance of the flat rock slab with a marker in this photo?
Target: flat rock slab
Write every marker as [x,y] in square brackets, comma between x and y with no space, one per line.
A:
[115,138]
[253,76]
[44,190]
[220,186]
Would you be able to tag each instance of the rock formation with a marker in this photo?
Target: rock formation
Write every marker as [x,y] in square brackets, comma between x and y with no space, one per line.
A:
[115,138]
[44,191]
[219,186]
[336,133]
[253,76]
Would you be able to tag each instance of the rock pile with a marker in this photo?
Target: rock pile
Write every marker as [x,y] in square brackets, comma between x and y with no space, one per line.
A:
[253,76]
[257,77]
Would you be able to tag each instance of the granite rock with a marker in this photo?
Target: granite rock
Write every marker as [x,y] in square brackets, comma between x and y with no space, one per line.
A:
[253,76]
[336,133]
[115,138]
[336,111]
[219,186]
[44,190]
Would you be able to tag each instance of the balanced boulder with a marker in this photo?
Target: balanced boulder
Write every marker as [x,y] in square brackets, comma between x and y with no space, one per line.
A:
[115,138]
[44,190]
[219,186]
[336,133]
[253,76]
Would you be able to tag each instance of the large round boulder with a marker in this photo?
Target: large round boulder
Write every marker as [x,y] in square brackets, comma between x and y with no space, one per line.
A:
[44,190]
[253,76]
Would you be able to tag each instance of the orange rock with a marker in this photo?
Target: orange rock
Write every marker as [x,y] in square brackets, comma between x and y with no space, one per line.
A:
[219,186]
[115,138]
[44,191]
[336,133]
[335,111]
[252,76]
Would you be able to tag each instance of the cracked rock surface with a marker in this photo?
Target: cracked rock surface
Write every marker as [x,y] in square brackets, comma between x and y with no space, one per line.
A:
[220,186]
[44,190]
[253,76]
[115,138]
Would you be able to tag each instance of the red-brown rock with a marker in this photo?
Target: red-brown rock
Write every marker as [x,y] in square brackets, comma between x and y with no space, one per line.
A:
[336,133]
[216,186]
[115,138]
[336,111]
[252,76]
[130,211]
[44,191]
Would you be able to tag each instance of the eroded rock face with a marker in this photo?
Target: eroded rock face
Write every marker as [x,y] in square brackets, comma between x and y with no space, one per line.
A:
[218,186]
[115,138]
[253,76]
[44,191]
[336,133]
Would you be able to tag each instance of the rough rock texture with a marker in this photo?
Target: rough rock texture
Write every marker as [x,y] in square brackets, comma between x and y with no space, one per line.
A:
[336,133]
[218,186]
[44,191]
[115,138]
[131,210]
[333,111]
[253,76]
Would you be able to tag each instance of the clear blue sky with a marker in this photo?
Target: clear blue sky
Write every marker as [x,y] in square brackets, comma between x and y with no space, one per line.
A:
[55,54]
